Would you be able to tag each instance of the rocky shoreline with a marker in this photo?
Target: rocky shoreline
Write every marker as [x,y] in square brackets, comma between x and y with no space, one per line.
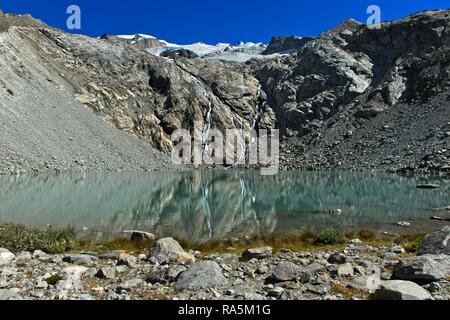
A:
[356,271]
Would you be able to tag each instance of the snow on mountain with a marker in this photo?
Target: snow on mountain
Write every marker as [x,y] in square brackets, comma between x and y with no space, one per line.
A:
[226,51]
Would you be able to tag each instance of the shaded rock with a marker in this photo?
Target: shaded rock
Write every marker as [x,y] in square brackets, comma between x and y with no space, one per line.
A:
[203,274]
[337,259]
[401,290]
[428,186]
[127,260]
[6,257]
[106,273]
[179,53]
[257,253]
[137,236]
[130,284]
[80,259]
[286,271]
[276,292]
[436,242]
[282,44]
[165,274]
[423,269]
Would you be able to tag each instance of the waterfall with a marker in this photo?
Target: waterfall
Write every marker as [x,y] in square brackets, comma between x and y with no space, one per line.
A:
[207,125]
[247,193]
[260,107]
[206,208]
[208,118]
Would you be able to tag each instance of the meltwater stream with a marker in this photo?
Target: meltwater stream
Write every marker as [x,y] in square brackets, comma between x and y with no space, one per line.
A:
[205,205]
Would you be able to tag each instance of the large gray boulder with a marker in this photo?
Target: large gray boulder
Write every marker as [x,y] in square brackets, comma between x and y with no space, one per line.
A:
[436,242]
[80,259]
[9,294]
[6,257]
[401,290]
[168,250]
[201,275]
[257,253]
[423,269]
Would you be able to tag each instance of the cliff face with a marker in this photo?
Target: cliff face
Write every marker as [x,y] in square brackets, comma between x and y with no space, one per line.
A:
[353,98]
[367,98]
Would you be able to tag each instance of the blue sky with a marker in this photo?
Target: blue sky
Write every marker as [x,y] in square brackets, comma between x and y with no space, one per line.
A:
[213,21]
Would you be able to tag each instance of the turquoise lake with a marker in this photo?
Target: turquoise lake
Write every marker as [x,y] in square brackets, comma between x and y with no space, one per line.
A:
[205,205]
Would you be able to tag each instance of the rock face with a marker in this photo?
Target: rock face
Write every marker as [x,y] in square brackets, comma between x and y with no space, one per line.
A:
[201,275]
[401,290]
[423,269]
[353,91]
[286,44]
[436,243]
[352,98]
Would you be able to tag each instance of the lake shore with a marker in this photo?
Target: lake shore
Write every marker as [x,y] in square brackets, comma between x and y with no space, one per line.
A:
[307,267]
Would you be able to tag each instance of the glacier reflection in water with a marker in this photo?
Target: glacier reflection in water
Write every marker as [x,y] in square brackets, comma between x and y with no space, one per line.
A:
[214,204]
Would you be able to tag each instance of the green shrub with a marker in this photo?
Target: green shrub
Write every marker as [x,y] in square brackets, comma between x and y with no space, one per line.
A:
[53,240]
[331,237]
[53,279]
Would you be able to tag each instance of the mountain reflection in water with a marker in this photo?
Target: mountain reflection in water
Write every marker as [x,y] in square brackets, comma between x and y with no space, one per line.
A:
[205,205]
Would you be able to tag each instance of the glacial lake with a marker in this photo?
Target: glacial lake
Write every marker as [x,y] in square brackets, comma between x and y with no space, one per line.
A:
[205,205]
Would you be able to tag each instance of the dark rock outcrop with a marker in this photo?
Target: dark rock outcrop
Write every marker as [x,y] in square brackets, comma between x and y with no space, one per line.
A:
[286,44]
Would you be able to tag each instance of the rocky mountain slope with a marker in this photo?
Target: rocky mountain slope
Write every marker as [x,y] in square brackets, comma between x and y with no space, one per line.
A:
[352,98]
[366,98]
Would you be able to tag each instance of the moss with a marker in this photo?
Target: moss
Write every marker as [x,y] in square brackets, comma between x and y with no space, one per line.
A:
[53,240]
[53,280]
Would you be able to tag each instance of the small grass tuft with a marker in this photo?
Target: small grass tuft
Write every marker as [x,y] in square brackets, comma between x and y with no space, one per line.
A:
[53,240]
[366,235]
[331,237]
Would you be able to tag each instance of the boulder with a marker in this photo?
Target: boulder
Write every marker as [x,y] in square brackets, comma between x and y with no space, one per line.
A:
[127,260]
[9,294]
[80,259]
[257,253]
[137,236]
[345,270]
[286,271]
[367,283]
[168,250]
[201,275]
[337,259]
[423,269]
[165,274]
[106,273]
[401,290]
[6,257]
[436,242]
[71,278]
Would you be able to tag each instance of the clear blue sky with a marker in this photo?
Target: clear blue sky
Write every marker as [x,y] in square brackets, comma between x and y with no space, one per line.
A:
[212,21]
